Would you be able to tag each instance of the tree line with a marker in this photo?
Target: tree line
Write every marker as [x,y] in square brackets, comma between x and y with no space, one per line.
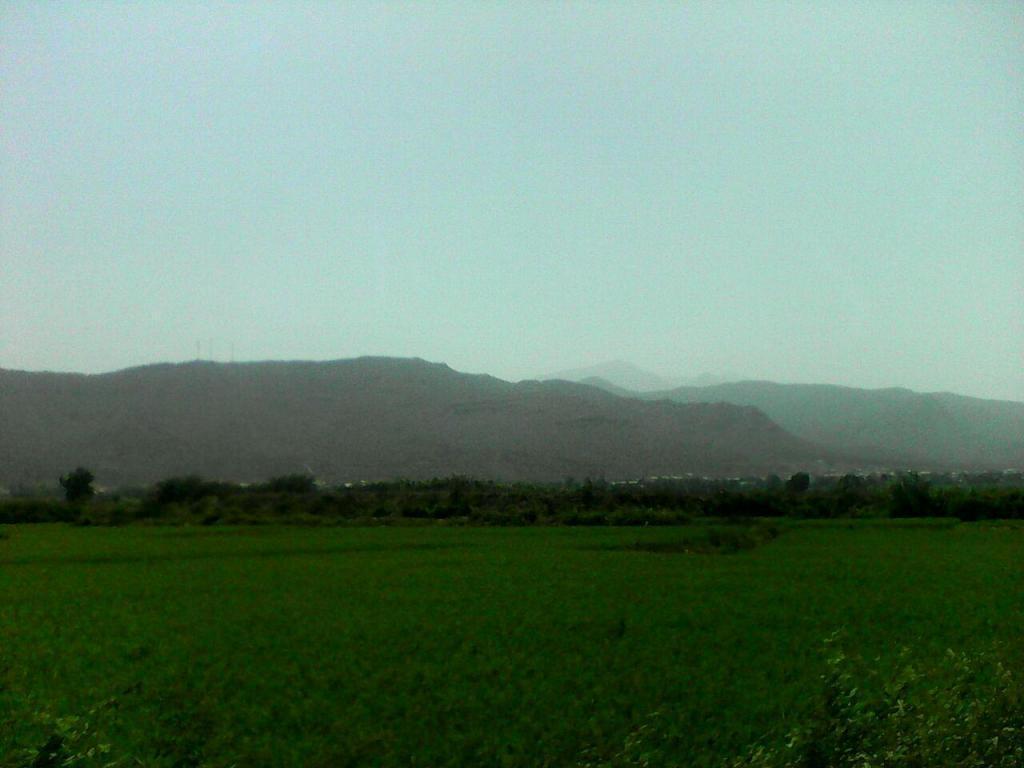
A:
[300,499]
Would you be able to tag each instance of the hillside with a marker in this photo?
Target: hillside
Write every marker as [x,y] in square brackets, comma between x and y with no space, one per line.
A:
[365,419]
[908,429]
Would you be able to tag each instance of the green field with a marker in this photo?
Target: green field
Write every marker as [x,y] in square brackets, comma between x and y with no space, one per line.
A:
[435,646]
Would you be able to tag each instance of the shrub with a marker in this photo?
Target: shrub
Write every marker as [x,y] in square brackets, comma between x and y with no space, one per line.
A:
[178,490]
[291,484]
[967,710]
[983,504]
[36,511]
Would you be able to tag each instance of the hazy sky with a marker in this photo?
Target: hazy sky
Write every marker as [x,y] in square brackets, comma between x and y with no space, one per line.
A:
[819,192]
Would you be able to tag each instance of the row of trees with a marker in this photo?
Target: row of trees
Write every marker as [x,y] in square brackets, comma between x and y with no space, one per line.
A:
[297,498]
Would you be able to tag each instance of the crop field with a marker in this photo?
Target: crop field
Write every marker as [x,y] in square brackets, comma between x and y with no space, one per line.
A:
[448,646]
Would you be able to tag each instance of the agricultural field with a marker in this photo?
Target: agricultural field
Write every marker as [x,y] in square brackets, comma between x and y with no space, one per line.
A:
[462,646]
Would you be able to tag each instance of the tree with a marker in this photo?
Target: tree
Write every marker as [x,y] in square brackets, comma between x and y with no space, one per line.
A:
[78,485]
[911,497]
[850,484]
[798,483]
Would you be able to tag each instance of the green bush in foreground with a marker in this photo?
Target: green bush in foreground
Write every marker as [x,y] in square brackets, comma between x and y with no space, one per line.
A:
[965,712]
[968,711]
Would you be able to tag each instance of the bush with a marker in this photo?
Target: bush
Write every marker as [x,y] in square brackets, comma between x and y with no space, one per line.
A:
[966,711]
[179,490]
[36,511]
[969,507]
[983,504]
[291,484]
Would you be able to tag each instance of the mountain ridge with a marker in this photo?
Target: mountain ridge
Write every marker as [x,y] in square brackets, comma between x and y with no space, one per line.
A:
[366,419]
[905,427]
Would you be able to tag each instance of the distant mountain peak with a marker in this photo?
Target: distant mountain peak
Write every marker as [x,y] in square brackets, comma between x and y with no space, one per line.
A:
[618,373]
[624,375]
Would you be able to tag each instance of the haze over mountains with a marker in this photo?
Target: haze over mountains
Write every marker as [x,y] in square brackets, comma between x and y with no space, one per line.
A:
[367,419]
[899,427]
[633,378]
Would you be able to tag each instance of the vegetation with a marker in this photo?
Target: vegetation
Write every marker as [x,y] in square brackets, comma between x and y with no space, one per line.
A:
[297,499]
[689,638]
[963,710]
[78,485]
[454,646]
[798,483]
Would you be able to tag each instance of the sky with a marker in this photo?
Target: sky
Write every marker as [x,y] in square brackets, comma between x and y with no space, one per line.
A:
[803,192]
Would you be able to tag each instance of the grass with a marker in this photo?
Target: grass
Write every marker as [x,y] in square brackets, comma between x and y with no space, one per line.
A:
[444,646]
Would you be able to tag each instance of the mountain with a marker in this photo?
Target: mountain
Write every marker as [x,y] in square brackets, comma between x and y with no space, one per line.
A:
[366,419]
[907,429]
[630,378]
[607,386]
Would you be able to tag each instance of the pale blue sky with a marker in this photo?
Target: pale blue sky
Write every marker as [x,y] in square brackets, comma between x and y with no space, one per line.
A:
[819,192]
